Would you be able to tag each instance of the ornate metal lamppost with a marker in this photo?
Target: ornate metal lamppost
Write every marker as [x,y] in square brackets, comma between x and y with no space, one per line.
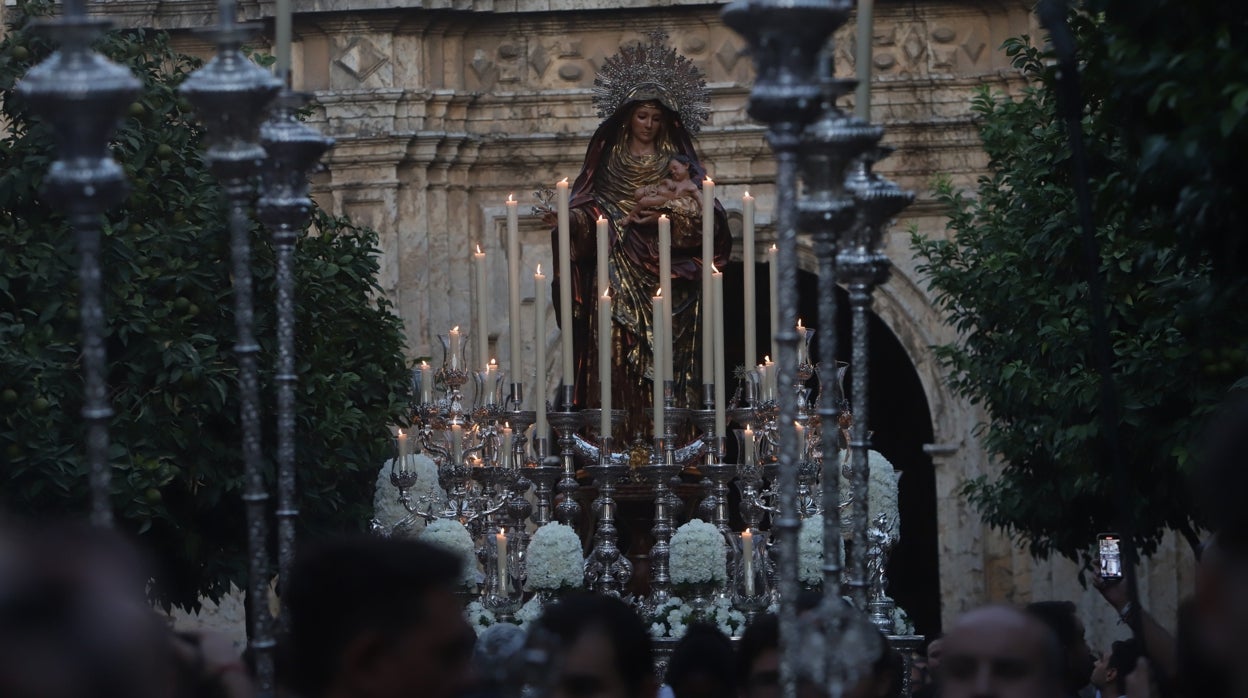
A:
[230,94]
[284,206]
[785,38]
[83,94]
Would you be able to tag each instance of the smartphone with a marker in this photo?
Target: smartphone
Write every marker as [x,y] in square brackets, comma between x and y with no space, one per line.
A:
[1110,555]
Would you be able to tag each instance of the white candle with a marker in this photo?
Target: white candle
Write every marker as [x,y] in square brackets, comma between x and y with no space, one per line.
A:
[660,342]
[747,559]
[801,343]
[539,351]
[455,348]
[491,382]
[402,449]
[721,383]
[457,444]
[483,336]
[504,447]
[565,286]
[604,238]
[751,294]
[665,284]
[513,288]
[773,285]
[708,254]
[604,361]
[800,431]
[747,446]
[426,382]
[772,377]
[500,542]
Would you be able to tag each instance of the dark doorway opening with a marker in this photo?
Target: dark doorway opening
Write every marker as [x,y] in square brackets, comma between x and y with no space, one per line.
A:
[900,423]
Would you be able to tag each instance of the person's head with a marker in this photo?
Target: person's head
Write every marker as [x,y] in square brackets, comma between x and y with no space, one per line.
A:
[1109,674]
[1062,619]
[758,658]
[702,665]
[597,647]
[376,617]
[646,123]
[1221,611]
[1000,652]
[934,650]
[680,167]
[497,656]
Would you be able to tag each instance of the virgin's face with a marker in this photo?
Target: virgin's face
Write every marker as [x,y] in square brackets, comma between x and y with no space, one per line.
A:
[645,124]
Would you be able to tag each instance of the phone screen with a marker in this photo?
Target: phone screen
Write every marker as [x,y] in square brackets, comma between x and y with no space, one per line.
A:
[1110,556]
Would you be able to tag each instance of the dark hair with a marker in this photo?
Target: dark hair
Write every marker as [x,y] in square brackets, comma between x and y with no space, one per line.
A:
[1059,616]
[1220,476]
[574,615]
[703,652]
[1123,655]
[342,588]
[760,636]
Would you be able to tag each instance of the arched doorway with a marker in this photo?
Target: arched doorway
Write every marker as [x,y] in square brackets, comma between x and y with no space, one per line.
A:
[901,425]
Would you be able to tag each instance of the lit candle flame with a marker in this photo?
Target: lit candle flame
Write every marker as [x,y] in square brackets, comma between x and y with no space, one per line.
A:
[606,293]
[659,292]
[479,250]
[455,329]
[424,364]
[662,216]
[747,194]
[773,247]
[494,363]
[600,216]
[767,359]
[565,181]
[714,269]
[539,270]
[799,324]
[708,180]
[511,198]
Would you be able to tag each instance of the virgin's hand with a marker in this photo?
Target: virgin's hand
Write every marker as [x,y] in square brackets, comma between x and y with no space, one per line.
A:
[645,216]
[550,218]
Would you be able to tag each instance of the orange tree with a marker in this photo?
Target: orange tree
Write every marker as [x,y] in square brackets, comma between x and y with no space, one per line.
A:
[1010,278]
[177,474]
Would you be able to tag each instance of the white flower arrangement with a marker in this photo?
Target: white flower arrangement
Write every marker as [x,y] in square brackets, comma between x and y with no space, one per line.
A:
[529,612]
[451,535]
[479,617]
[730,621]
[881,490]
[697,554]
[670,619]
[901,622]
[553,560]
[387,510]
[810,551]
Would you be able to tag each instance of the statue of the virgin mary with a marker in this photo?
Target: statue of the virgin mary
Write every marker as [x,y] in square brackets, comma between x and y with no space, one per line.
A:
[652,101]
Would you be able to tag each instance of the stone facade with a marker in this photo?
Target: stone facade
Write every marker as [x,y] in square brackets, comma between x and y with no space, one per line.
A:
[442,109]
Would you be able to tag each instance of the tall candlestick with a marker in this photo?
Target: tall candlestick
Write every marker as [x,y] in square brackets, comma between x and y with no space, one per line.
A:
[513,289]
[774,300]
[751,294]
[862,60]
[455,348]
[604,239]
[480,278]
[660,342]
[747,560]
[665,285]
[565,286]
[708,254]
[604,361]
[457,444]
[801,343]
[500,542]
[426,382]
[539,351]
[504,446]
[283,29]
[721,383]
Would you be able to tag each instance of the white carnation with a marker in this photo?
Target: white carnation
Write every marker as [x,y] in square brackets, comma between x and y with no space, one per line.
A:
[881,491]
[479,617]
[529,612]
[553,560]
[810,551]
[451,535]
[697,554]
[387,510]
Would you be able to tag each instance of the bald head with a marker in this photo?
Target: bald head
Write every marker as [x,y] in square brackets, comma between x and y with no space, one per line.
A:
[1000,652]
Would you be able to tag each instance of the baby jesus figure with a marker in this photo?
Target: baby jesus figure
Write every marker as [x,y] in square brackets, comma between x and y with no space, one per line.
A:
[677,195]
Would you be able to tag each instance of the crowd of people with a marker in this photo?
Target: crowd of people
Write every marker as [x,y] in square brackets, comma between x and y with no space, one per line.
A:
[378,617]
